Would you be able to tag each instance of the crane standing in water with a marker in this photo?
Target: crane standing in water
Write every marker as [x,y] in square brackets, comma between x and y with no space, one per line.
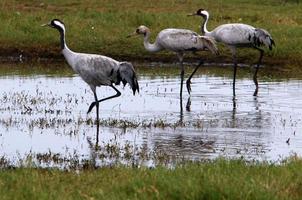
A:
[178,41]
[238,35]
[96,70]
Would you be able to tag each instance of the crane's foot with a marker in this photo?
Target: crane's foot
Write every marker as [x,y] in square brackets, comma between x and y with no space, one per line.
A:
[90,107]
[256,84]
[256,92]
[188,83]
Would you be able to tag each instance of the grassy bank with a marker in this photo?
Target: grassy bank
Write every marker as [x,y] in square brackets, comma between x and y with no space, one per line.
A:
[102,26]
[217,180]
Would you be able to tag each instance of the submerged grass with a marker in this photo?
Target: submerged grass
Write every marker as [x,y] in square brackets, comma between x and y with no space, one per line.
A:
[101,27]
[219,179]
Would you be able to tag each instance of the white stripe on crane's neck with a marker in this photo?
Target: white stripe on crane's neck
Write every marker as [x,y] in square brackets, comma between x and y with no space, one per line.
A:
[61,28]
[59,24]
[205,23]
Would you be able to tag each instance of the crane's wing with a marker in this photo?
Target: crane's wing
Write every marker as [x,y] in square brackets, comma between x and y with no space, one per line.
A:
[99,70]
[96,70]
[209,43]
[262,37]
[179,40]
[242,35]
[126,74]
[233,34]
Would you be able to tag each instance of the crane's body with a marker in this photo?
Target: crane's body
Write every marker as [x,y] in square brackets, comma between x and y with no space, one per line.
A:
[97,70]
[232,34]
[241,35]
[238,35]
[178,41]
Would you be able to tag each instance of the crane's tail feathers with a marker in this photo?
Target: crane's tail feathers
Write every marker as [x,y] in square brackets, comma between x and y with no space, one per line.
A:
[262,37]
[126,74]
[210,44]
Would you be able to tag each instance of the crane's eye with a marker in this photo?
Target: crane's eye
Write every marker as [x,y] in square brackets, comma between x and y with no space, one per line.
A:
[137,30]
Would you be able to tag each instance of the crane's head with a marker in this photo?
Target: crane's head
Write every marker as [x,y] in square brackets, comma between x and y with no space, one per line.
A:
[141,30]
[57,24]
[200,12]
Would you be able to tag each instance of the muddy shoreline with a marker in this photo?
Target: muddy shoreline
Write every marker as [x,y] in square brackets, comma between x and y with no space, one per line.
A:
[53,55]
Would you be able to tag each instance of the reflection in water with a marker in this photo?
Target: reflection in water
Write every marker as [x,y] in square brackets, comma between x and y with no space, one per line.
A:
[188,108]
[234,111]
[256,91]
[234,103]
[97,133]
[40,115]
[188,105]
[256,103]
[94,147]
[181,111]
[93,152]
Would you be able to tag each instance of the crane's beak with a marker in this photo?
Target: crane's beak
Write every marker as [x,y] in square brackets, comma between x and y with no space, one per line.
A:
[48,24]
[191,14]
[132,35]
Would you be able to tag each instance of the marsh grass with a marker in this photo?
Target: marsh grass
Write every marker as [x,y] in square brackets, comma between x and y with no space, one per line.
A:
[219,179]
[102,27]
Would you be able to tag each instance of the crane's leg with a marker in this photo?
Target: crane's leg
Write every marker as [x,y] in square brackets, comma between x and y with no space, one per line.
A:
[188,83]
[235,69]
[256,70]
[97,107]
[188,105]
[234,78]
[118,93]
[182,72]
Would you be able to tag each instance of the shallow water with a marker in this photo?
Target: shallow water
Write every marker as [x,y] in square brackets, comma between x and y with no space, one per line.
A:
[43,119]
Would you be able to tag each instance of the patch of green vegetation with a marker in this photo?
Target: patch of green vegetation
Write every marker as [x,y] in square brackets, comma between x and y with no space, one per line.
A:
[102,27]
[219,179]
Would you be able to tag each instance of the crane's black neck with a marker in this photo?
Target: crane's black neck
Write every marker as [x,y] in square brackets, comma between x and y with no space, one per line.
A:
[62,38]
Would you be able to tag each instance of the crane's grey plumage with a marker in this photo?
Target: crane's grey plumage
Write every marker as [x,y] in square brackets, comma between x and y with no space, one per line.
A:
[97,70]
[238,35]
[178,41]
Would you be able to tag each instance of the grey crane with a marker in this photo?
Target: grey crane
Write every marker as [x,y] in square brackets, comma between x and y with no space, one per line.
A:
[97,70]
[178,41]
[238,35]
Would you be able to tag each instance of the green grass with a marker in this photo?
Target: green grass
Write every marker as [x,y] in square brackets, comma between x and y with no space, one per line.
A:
[219,179]
[102,26]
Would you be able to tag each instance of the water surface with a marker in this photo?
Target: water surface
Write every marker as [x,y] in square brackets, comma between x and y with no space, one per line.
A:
[43,118]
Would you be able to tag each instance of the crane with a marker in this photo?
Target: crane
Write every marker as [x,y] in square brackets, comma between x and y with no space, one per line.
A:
[178,41]
[238,35]
[96,70]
